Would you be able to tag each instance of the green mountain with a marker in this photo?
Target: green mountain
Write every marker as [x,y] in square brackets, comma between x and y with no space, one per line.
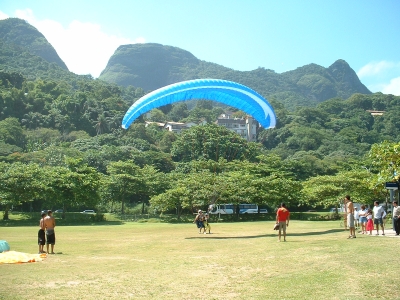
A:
[25,51]
[151,66]
[19,33]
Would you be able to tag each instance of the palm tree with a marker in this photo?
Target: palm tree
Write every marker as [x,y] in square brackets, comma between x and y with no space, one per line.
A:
[102,124]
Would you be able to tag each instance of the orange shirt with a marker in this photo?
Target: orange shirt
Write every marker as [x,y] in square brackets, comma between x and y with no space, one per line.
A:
[282,214]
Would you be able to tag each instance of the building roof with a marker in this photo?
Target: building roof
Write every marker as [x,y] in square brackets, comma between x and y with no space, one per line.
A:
[376,112]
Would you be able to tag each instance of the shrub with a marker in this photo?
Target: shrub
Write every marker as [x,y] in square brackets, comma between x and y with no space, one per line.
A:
[98,217]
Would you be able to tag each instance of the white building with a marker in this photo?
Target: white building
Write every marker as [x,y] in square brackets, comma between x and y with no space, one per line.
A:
[245,127]
[175,127]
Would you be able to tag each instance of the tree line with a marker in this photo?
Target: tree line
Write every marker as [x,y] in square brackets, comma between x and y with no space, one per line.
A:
[61,145]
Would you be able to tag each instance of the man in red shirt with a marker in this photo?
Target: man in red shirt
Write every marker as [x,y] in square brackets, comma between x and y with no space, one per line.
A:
[282,218]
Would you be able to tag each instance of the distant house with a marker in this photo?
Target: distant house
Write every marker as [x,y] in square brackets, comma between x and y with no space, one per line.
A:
[246,127]
[159,124]
[175,127]
[376,112]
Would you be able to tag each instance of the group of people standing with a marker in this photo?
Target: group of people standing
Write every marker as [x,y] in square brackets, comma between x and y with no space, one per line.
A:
[46,234]
[370,219]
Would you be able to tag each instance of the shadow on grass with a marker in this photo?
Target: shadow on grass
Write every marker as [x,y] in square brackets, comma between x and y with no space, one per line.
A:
[216,237]
[24,223]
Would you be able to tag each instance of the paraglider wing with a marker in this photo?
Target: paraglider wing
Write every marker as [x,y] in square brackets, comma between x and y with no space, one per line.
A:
[227,92]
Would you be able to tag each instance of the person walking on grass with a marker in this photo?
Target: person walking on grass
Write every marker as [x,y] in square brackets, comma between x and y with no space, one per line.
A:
[42,234]
[350,217]
[50,223]
[282,218]
[199,220]
[379,213]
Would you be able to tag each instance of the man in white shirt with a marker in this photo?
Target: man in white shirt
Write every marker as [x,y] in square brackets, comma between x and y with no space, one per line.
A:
[396,217]
[379,213]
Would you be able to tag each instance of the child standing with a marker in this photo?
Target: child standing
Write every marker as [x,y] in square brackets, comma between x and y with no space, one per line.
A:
[370,224]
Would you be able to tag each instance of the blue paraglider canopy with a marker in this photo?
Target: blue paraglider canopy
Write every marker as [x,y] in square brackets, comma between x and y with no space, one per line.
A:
[227,92]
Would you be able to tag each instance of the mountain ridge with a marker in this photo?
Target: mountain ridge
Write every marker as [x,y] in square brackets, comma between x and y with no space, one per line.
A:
[21,33]
[151,66]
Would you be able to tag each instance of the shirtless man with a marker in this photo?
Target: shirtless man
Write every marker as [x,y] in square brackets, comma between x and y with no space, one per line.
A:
[41,234]
[350,217]
[50,223]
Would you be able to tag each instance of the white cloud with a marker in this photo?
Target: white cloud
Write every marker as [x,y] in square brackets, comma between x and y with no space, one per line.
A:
[393,87]
[382,76]
[375,68]
[3,16]
[84,47]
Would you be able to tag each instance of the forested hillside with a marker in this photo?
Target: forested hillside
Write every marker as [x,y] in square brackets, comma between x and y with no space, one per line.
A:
[18,32]
[62,145]
[151,66]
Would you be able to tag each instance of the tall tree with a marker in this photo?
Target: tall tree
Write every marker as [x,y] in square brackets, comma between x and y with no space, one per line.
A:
[124,181]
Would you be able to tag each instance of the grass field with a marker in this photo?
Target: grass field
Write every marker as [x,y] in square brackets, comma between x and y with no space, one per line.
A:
[172,261]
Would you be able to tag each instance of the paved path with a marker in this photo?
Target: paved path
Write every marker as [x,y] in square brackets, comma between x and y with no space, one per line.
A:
[388,233]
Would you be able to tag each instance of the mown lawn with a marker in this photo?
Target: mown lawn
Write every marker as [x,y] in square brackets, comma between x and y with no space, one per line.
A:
[172,261]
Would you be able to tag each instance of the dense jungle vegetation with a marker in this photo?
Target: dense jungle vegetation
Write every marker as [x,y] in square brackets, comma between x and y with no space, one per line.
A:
[61,146]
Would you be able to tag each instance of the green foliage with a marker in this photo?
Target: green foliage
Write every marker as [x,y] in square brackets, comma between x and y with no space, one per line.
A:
[19,32]
[61,143]
[11,132]
[330,190]
[98,217]
[211,142]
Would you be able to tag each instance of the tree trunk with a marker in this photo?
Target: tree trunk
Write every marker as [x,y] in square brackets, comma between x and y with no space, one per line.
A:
[122,204]
[5,214]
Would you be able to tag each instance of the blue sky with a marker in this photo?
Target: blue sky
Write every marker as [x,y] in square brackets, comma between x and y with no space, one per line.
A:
[280,35]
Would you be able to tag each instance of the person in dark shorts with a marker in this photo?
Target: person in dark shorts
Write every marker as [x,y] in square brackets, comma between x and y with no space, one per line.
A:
[41,234]
[199,220]
[50,223]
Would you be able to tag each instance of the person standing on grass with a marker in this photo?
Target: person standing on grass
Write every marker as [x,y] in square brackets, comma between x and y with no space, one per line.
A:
[282,218]
[363,219]
[41,234]
[207,225]
[50,223]
[370,223]
[396,217]
[350,217]
[356,217]
[378,217]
